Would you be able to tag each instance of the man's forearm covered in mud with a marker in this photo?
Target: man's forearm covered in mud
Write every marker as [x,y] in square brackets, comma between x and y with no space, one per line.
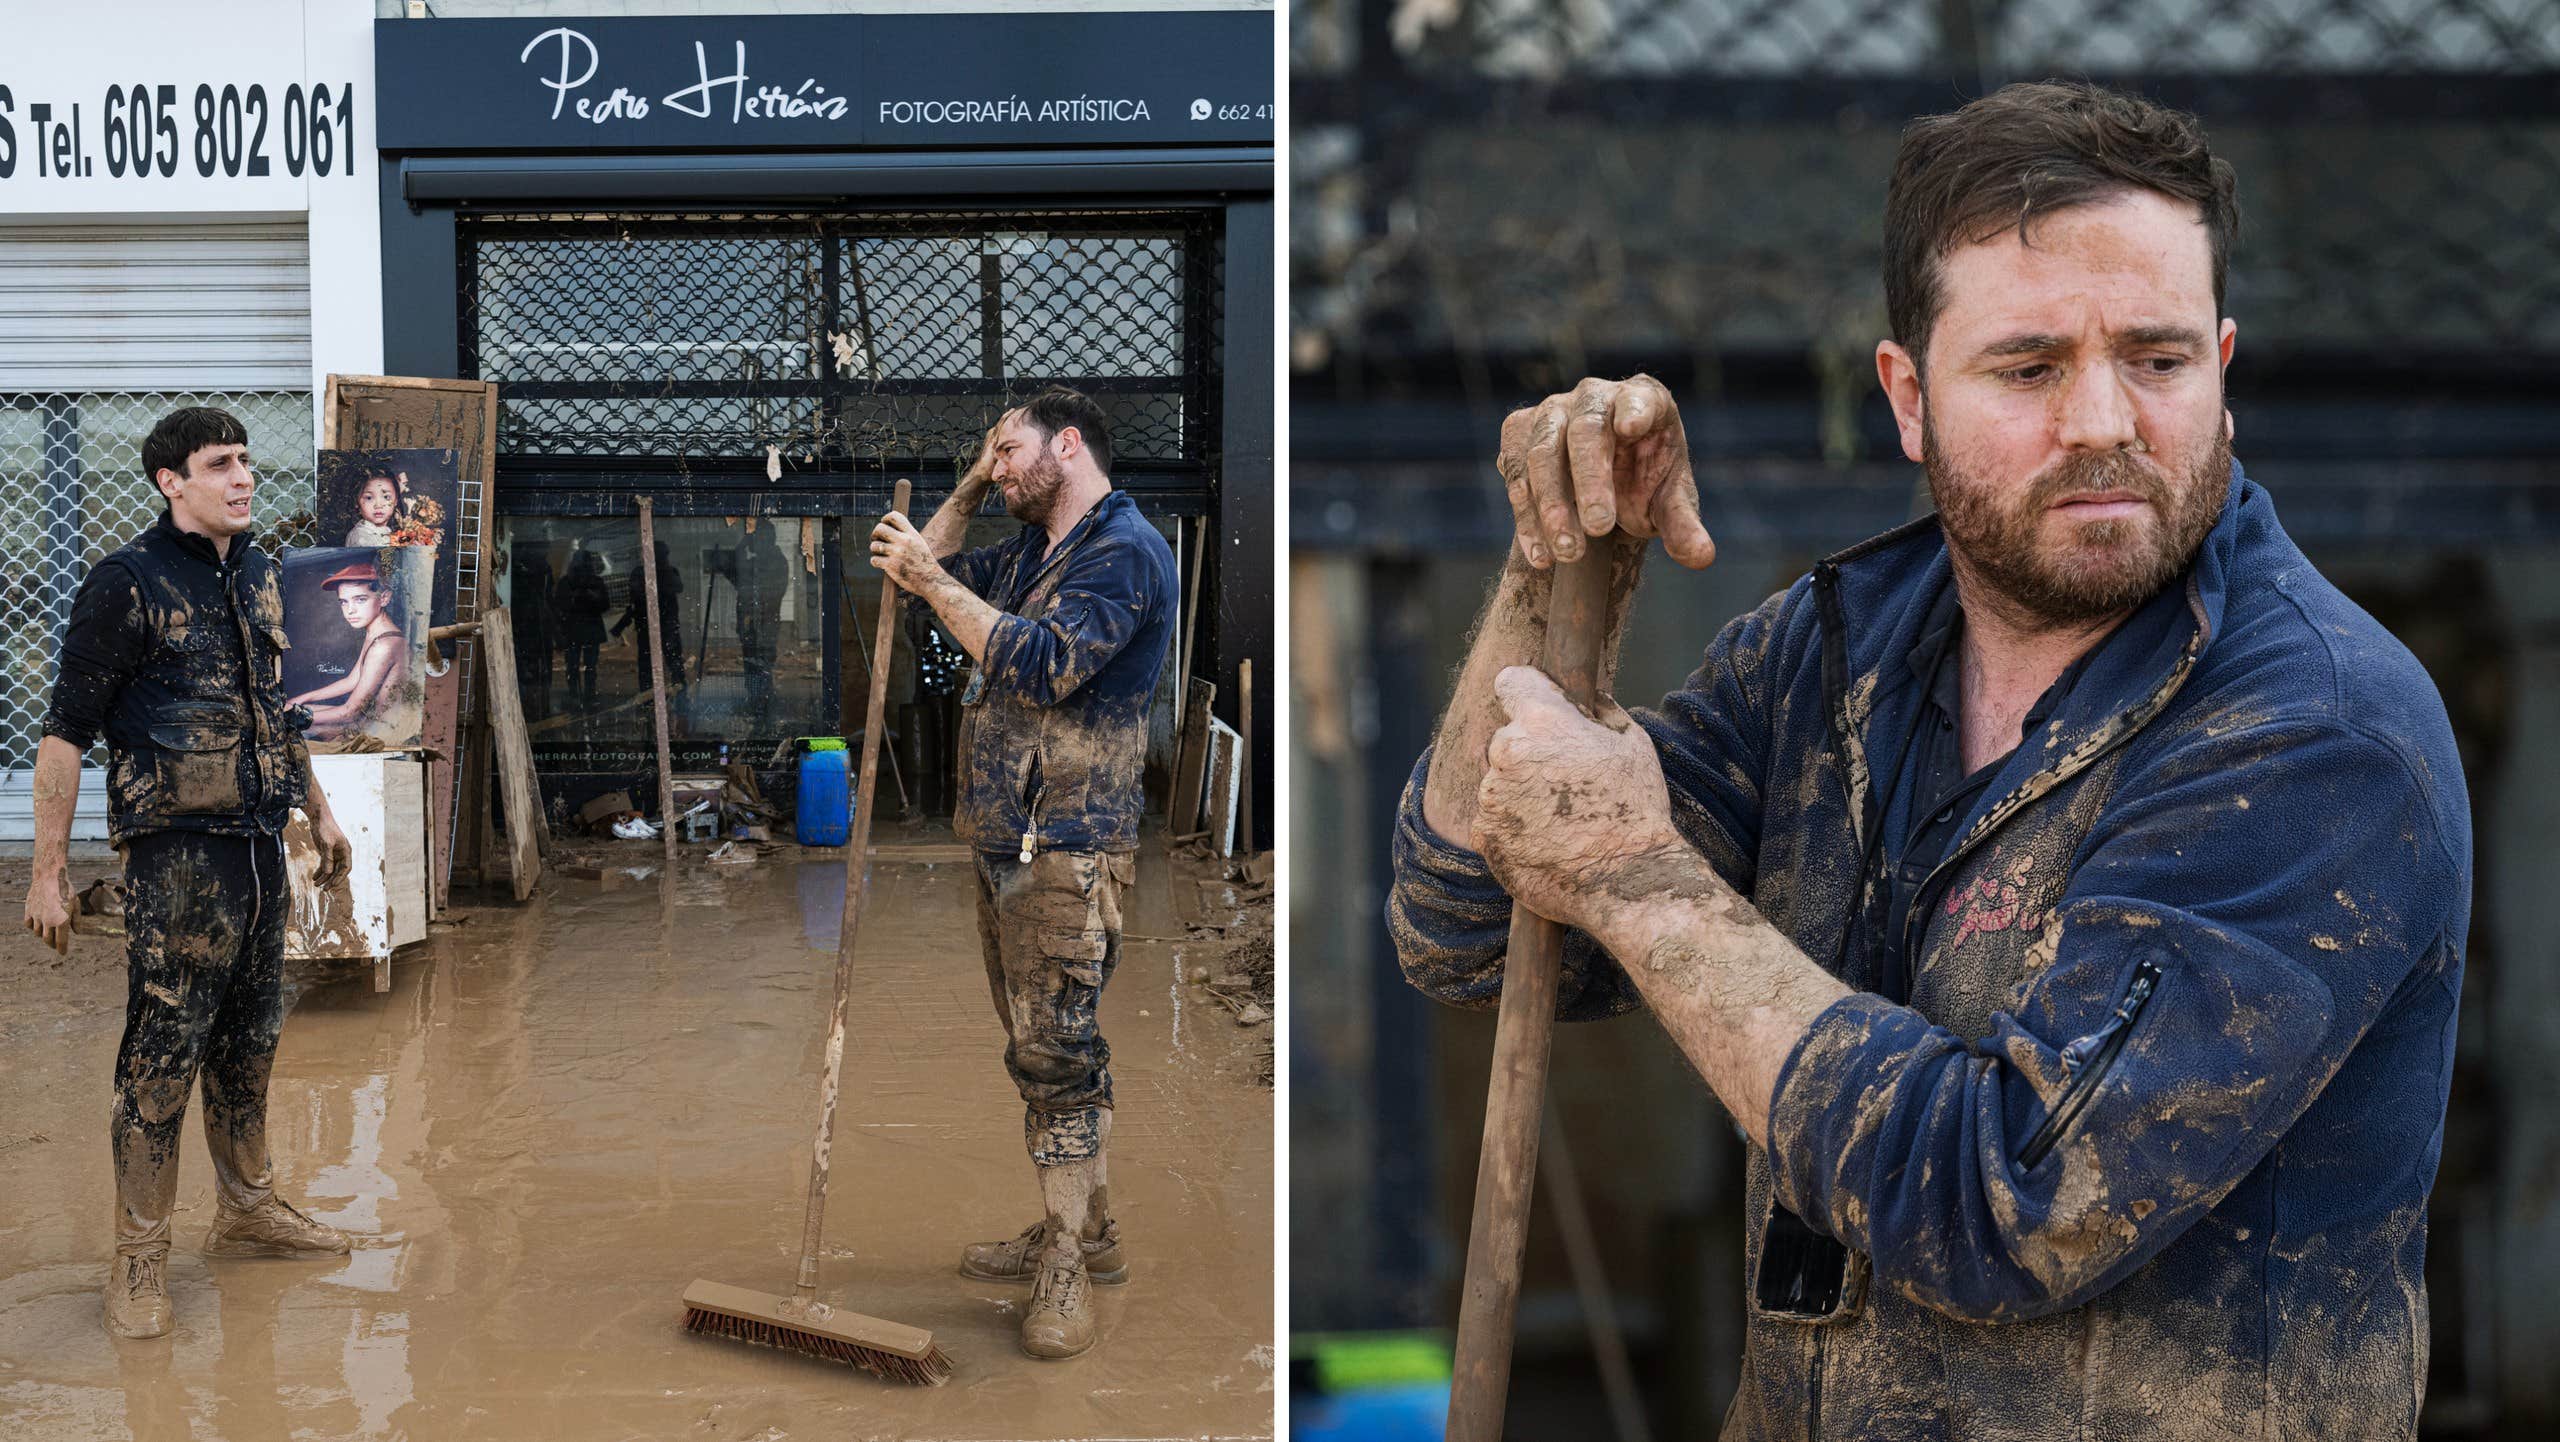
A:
[1644,894]
[1576,823]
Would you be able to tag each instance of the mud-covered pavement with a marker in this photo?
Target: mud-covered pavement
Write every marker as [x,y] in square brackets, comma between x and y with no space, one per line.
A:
[564,1112]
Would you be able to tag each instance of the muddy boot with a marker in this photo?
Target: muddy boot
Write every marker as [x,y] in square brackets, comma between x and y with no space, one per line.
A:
[138,1292]
[1018,1260]
[1060,1322]
[272,1228]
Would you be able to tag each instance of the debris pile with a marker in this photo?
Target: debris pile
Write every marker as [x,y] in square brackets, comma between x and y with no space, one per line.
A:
[1227,905]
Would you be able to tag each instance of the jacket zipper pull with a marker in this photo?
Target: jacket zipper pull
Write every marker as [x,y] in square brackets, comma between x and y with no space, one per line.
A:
[1028,837]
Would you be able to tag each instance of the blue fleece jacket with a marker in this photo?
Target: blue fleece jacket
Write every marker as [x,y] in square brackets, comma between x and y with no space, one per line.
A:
[2148,1152]
[1056,742]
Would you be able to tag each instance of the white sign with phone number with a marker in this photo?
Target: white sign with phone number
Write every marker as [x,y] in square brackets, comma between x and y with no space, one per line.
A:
[137,133]
[178,108]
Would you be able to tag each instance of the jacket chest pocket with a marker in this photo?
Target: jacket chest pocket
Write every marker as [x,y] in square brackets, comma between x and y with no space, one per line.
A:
[272,644]
[196,755]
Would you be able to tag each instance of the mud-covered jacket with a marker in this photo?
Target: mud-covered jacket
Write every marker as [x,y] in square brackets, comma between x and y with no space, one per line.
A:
[2148,1152]
[1056,741]
[176,656]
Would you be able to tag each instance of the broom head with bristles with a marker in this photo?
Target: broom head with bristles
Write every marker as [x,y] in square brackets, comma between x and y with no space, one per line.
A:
[884,1349]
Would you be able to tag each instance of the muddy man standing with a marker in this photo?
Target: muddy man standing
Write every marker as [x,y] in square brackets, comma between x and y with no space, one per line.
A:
[1068,623]
[174,653]
[2065,892]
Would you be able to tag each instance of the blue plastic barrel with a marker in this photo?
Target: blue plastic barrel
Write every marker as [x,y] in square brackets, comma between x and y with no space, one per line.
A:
[826,797]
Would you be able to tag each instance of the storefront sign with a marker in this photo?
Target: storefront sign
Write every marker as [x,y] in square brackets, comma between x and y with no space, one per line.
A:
[827,81]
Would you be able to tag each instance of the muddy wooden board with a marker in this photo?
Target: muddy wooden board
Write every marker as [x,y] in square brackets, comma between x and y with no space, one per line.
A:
[1191,762]
[512,751]
[403,412]
[1224,789]
[379,800]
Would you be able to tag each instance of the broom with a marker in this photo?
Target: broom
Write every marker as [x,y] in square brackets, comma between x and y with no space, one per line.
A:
[800,1322]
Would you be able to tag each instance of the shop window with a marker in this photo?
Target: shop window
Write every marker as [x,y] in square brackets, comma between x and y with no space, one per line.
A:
[745,640]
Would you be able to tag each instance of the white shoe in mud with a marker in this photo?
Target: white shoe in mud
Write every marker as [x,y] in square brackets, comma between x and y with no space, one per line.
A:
[1060,1322]
[138,1293]
[1018,1259]
[272,1228]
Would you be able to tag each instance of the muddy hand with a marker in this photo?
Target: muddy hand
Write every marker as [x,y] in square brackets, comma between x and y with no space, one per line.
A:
[1571,811]
[900,550]
[1611,454]
[49,911]
[337,858]
[982,470]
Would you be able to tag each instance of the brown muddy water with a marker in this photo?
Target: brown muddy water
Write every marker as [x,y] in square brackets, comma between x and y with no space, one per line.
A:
[566,1111]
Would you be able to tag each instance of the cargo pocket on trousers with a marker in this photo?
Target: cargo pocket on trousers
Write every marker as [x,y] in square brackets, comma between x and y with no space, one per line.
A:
[198,765]
[1078,954]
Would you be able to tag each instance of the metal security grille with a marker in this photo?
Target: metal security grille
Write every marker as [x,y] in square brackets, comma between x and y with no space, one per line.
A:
[71,490]
[1495,197]
[841,342]
[1497,177]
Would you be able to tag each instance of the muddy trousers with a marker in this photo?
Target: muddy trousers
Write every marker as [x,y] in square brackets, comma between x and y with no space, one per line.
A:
[204,925]
[1051,934]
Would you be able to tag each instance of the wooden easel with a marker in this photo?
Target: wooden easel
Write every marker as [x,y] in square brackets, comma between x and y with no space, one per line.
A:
[381,413]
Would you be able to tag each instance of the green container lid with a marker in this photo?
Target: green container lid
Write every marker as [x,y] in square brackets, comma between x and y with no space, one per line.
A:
[823,743]
[1360,1361]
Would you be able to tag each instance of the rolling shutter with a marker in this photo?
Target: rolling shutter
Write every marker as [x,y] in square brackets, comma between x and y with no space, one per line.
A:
[155,306]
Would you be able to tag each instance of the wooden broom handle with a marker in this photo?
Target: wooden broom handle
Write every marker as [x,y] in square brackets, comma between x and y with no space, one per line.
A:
[1515,1100]
[857,881]
[651,624]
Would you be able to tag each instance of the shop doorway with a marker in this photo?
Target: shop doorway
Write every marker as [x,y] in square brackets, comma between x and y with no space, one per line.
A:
[766,378]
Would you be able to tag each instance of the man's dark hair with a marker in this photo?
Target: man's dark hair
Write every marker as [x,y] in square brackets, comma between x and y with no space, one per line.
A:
[1057,408]
[2026,150]
[182,433]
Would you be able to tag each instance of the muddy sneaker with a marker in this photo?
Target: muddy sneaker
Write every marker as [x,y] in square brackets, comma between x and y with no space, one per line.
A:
[1060,1322]
[1018,1260]
[138,1293]
[272,1228]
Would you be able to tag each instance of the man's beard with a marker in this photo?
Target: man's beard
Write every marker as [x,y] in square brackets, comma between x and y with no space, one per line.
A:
[1036,493]
[2101,568]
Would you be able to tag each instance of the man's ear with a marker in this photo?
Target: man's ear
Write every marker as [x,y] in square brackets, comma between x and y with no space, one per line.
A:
[1070,443]
[2227,341]
[169,483]
[1898,371]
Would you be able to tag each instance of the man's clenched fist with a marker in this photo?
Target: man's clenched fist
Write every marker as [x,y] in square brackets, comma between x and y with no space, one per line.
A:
[1572,815]
[900,550]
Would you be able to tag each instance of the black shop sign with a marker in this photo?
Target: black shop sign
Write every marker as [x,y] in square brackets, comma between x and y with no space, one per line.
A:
[833,82]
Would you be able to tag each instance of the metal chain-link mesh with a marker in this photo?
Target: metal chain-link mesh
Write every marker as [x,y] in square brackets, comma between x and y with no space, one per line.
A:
[1553,38]
[72,490]
[2279,36]
[1623,37]
[846,341]
[1496,189]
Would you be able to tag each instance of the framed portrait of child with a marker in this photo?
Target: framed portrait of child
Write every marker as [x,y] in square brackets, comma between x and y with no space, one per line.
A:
[407,498]
[355,620]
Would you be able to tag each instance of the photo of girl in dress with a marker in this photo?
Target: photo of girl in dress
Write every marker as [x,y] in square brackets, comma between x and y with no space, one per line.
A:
[395,498]
[357,625]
